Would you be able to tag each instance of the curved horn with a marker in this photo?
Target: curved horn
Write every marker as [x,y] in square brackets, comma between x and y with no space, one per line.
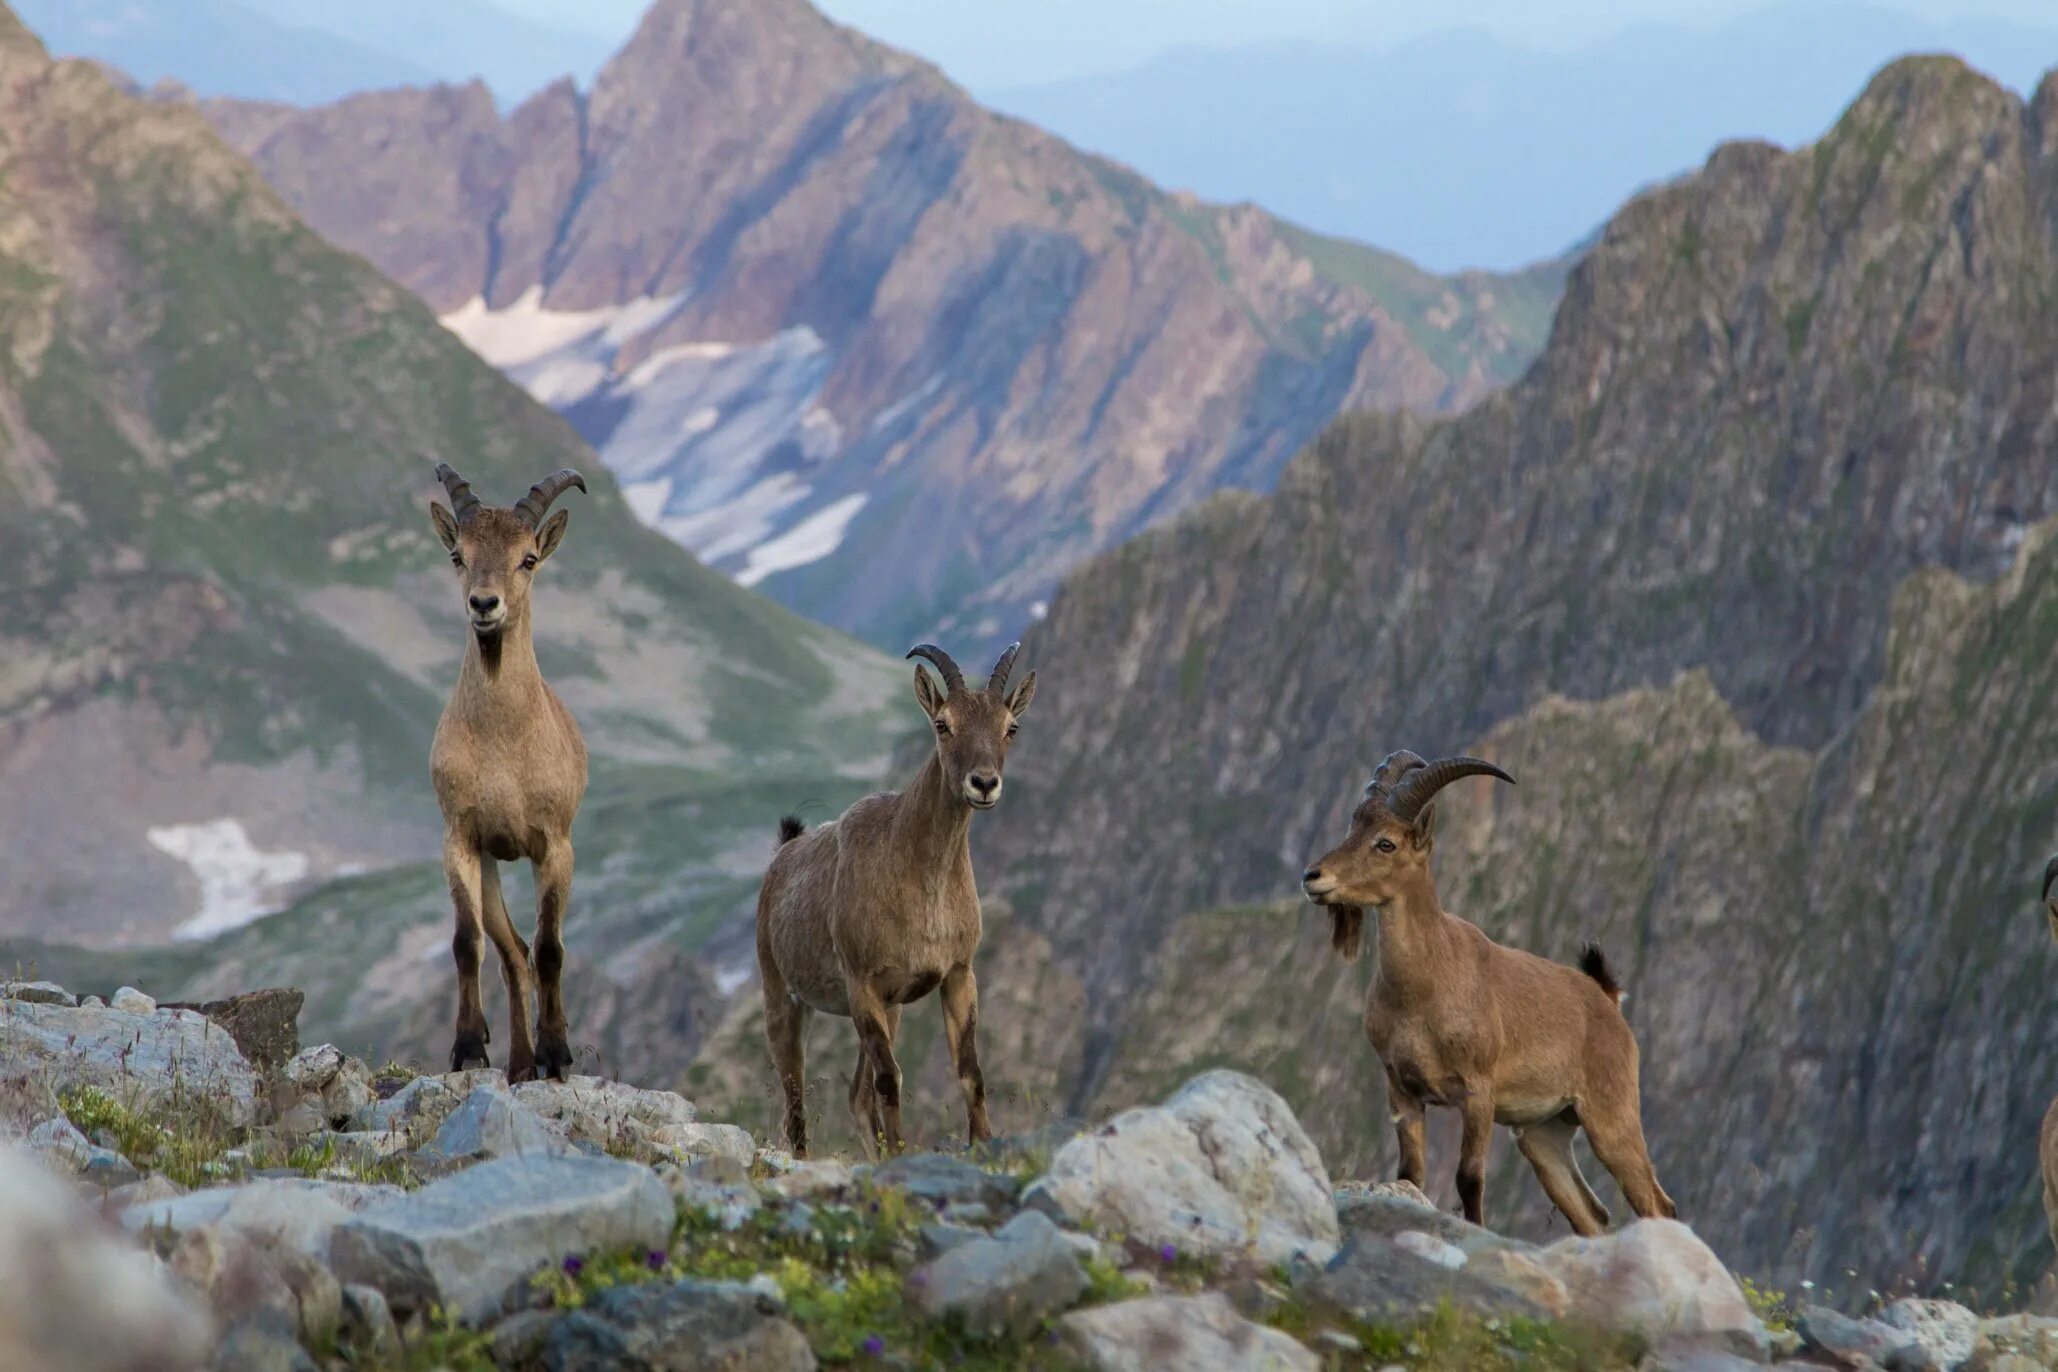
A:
[998,682]
[533,506]
[1412,796]
[462,502]
[2050,876]
[953,679]
[1397,765]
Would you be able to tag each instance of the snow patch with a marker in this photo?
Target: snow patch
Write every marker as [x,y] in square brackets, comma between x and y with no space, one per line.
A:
[729,980]
[237,878]
[811,540]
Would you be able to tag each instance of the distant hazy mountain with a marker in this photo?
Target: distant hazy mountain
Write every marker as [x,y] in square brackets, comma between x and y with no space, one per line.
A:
[1462,150]
[308,52]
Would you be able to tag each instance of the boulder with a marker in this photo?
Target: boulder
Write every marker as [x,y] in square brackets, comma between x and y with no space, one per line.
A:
[1005,1286]
[38,993]
[1179,1331]
[1222,1169]
[687,1326]
[295,1213]
[1847,1342]
[1388,1209]
[419,1107]
[464,1241]
[130,1001]
[246,1279]
[811,1178]
[78,1296]
[1380,1279]
[59,1143]
[628,1121]
[1946,1331]
[264,1025]
[263,1343]
[1657,1280]
[719,1189]
[943,1181]
[367,1325]
[154,1061]
[491,1123]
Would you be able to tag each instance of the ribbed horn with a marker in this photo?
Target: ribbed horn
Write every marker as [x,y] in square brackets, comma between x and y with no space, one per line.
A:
[462,502]
[953,679]
[1408,799]
[536,504]
[998,682]
[1397,765]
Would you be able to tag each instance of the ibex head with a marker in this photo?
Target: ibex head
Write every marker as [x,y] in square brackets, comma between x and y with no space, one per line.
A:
[1391,833]
[496,551]
[973,728]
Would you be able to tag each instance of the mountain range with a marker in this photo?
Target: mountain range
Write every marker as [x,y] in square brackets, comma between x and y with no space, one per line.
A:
[895,361]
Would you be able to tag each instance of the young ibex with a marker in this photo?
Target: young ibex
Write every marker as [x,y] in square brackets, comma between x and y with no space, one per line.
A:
[510,770]
[2047,1141]
[877,908]
[1460,1021]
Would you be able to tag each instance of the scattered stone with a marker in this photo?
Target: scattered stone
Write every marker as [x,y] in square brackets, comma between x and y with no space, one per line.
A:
[1179,1331]
[1003,1286]
[462,1242]
[130,1001]
[718,1188]
[153,1061]
[628,1121]
[1032,1147]
[108,1170]
[296,1214]
[155,1187]
[264,1025]
[938,1237]
[59,1143]
[519,1339]
[1849,1342]
[312,1069]
[491,1123]
[368,1325]
[92,1003]
[262,1343]
[1378,1279]
[682,1327]
[1221,1169]
[1657,1280]
[78,1299]
[971,1214]
[943,1181]
[1392,1208]
[232,1271]
[808,1178]
[1945,1331]
[38,993]
[1687,1355]
[421,1105]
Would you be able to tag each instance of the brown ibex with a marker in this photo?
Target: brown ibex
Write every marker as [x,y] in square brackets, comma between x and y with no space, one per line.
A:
[2047,1140]
[1460,1021]
[510,769]
[877,908]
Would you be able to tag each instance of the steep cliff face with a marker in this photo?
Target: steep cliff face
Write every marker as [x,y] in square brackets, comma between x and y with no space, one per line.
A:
[1777,392]
[226,628]
[896,360]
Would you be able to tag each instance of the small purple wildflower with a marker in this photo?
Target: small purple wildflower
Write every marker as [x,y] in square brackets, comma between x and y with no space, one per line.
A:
[1168,1253]
[655,1259]
[574,1264]
[874,1345]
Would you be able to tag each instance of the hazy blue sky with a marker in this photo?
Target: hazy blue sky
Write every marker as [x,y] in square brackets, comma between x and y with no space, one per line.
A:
[993,44]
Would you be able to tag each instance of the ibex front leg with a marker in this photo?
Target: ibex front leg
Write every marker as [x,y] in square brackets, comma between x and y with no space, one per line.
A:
[961,1025]
[553,890]
[461,868]
[868,1012]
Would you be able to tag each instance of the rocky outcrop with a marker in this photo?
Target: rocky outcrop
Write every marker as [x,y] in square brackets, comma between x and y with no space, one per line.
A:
[159,1057]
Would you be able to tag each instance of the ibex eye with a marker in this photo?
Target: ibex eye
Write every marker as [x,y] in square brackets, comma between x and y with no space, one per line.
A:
[1385,845]
[943,728]
[529,562]
[1014,729]
[457,559]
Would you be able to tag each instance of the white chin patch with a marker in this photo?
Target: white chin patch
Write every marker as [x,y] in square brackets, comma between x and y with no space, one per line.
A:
[982,802]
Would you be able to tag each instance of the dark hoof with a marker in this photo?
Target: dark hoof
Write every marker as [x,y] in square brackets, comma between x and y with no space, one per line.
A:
[521,1069]
[469,1051]
[553,1056]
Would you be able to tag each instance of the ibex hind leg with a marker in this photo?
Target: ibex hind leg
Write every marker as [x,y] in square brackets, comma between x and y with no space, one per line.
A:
[786,1022]
[1617,1137]
[1548,1146]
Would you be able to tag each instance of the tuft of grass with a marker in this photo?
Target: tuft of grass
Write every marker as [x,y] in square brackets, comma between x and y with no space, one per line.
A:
[1450,1340]
[1772,1307]
[324,1162]
[183,1139]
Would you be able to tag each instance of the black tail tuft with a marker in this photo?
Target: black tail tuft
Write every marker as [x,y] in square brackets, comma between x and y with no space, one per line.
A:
[790,828]
[1594,963]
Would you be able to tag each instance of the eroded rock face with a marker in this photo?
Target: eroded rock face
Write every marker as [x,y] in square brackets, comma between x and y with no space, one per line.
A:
[1221,1169]
[158,1059]
[1946,1332]
[1179,1331]
[78,1298]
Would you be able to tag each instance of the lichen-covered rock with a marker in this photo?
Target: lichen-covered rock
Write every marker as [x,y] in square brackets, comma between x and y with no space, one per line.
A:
[152,1060]
[687,1326]
[1946,1332]
[464,1241]
[1657,1280]
[76,1296]
[1005,1286]
[1221,1169]
[1160,1332]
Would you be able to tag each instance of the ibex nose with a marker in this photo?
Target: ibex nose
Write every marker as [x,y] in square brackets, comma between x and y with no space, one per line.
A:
[985,783]
[485,604]
[1312,875]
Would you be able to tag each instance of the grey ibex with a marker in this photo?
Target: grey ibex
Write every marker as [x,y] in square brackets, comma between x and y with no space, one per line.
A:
[1460,1021]
[877,908]
[2047,1141]
[510,770]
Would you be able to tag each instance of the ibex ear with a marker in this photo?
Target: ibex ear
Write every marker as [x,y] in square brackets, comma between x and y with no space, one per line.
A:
[1424,829]
[928,692]
[552,534]
[446,525]
[1021,694]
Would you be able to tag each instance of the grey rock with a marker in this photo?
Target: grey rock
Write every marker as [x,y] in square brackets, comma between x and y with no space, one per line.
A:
[38,993]
[1160,1332]
[312,1069]
[130,1001]
[1849,1342]
[1378,1280]
[59,1143]
[232,1270]
[1388,1209]
[1222,1169]
[680,1327]
[1005,1286]
[939,1237]
[630,1121]
[1657,1280]
[1946,1332]
[264,1025]
[942,1181]
[421,1105]
[152,1060]
[293,1213]
[519,1340]
[491,1123]
[1687,1355]
[717,1188]
[262,1343]
[464,1241]
[109,1170]
[367,1323]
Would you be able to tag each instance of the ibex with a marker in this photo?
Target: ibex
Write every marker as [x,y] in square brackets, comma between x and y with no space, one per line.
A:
[510,769]
[1460,1021]
[877,908]
[2047,1141]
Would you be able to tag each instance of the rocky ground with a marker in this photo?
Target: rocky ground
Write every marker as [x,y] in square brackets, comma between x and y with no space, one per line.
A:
[187,1187]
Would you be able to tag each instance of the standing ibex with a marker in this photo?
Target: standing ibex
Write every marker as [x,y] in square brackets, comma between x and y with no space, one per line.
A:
[510,770]
[877,908]
[2047,1141]
[1460,1021]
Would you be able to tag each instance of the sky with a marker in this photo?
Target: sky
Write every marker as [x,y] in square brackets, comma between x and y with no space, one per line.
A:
[998,44]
